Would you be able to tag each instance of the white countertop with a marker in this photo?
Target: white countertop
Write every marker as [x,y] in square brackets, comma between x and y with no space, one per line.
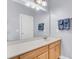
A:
[22,47]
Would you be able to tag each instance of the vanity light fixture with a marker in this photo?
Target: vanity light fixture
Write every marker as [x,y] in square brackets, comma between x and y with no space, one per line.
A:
[34,4]
[41,2]
[38,1]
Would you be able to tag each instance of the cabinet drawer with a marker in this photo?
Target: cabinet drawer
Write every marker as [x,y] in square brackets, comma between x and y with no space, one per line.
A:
[34,53]
[43,56]
[54,44]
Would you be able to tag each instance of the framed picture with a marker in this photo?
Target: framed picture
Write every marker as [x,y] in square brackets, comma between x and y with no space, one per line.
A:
[67,24]
[41,26]
[64,24]
[61,24]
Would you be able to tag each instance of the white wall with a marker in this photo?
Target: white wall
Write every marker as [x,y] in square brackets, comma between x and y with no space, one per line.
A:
[59,10]
[13,18]
[65,35]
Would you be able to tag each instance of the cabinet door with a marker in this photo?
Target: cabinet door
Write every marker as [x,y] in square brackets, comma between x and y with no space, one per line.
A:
[54,50]
[52,53]
[35,58]
[43,56]
[58,51]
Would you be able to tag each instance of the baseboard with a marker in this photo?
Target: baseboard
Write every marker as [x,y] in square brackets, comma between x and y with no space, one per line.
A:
[63,57]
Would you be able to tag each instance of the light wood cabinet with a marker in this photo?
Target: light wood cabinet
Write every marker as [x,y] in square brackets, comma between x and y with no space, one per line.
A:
[43,56]
[33,54]
[35,58]
[50,51]
[58,51]
[29,55]
[54,50]
[16,57]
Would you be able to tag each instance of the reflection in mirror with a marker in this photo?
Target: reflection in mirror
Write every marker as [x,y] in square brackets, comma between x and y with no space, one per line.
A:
[15,12]
[22,22]
[42,24]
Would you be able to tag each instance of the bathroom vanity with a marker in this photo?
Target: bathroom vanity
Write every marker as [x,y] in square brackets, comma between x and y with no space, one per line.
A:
[38,49]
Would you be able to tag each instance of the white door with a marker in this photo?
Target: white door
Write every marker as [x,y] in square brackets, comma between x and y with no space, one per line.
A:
[26,26]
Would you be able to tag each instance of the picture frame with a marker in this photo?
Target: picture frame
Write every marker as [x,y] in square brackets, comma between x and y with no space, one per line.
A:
[41,26]
[64,24]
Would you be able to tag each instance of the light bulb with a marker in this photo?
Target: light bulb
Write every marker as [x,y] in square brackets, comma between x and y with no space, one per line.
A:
[44,3]
[39,1]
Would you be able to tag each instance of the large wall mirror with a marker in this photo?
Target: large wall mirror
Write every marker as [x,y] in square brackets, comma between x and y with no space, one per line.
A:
[19,21]
[24,23]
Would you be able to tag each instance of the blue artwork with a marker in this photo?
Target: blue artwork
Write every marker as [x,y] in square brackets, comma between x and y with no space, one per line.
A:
[64,24]
[61,24]
[41,26]
[67,24]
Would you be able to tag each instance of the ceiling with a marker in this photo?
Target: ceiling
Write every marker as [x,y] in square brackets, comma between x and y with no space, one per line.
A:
[54,4]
